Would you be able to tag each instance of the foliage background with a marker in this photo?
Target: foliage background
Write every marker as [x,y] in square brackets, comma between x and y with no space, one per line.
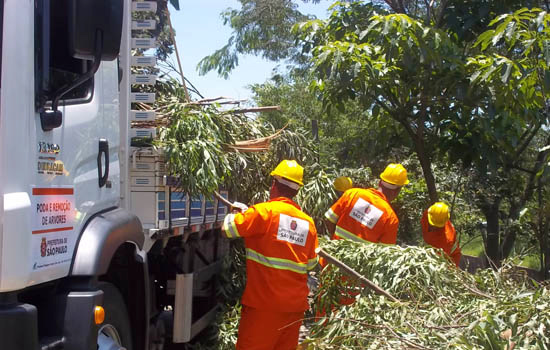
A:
[457,91]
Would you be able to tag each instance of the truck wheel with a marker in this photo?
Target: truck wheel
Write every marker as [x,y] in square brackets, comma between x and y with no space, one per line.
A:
[114,333]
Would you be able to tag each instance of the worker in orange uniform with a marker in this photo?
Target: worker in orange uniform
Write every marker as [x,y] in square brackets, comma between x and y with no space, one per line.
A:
[280,241]
[439,232]
[365,214]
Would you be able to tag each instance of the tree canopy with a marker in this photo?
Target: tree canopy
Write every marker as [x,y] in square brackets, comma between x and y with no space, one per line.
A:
[457,91]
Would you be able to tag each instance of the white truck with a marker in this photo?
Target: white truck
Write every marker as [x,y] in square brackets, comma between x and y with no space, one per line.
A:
[97,251]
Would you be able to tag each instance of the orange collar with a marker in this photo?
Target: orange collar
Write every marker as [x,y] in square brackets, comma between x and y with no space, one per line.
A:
[285,200]
[378,193]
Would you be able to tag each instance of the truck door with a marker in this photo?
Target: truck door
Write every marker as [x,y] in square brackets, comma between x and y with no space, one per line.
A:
[76,172]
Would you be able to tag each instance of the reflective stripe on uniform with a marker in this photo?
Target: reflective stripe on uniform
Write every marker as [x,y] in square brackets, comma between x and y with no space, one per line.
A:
[455,245]
[331,216]
[229,226]
[276,263]
[348,235]
[312,262]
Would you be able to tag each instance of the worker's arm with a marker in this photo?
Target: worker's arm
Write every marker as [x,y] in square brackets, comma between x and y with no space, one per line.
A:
[333,214]
[389,234]
[248,223]
[330,227]
[313,259]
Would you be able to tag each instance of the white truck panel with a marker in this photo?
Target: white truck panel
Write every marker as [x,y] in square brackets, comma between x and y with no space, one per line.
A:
[64,158]
[17,141]
[16,260]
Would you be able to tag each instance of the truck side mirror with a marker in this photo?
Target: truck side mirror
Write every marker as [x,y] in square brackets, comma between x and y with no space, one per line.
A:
[89,18]
[94,34]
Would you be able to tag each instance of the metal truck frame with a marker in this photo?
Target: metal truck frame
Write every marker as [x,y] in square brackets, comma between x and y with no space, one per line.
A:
[89,224]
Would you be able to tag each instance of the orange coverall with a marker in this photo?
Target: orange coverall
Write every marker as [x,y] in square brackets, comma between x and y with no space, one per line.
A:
[364,215]
[444,238]
[280,243]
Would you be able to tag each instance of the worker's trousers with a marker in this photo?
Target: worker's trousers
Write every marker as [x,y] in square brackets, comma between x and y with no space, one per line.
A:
[268,330]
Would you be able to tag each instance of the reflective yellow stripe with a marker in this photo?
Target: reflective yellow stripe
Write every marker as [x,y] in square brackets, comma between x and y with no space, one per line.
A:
[455,245]
[331,216]
[312,262]
[229,226]
[276,263]
[348,235]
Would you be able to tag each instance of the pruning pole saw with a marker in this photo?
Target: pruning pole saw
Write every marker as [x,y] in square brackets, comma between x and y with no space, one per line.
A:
[332,260]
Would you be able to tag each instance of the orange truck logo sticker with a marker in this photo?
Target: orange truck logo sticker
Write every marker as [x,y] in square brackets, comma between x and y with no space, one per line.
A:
[43,247]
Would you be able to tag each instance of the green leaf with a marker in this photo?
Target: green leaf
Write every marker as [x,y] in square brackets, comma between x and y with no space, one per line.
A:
[506,72]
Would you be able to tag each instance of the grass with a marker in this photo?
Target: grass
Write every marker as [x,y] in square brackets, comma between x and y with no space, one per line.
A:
[474,247]
[531,261]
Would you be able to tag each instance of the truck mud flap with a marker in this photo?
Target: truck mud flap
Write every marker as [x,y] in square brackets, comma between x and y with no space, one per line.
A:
[18,326]
[189,316]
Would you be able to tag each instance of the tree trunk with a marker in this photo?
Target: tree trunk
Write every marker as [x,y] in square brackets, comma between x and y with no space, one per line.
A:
[510,235]
[417,137]
[544,244]
[508,242]
[544,251]
[543,230]
[546,273]
[426,165]
[492,242]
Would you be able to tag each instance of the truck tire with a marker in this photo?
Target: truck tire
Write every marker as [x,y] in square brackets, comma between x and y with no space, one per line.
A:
[114,333]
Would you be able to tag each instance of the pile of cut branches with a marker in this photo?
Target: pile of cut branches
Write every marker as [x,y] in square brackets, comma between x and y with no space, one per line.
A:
[207,146]
[441,306]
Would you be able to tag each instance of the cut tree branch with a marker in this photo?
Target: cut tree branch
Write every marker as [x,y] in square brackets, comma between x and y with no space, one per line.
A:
[351,272]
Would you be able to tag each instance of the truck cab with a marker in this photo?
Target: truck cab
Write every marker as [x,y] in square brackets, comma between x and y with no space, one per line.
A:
[97,250]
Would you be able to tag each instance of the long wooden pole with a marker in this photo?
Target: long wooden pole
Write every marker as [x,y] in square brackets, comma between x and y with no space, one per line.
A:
[223,200]
[173,37]
[351,272]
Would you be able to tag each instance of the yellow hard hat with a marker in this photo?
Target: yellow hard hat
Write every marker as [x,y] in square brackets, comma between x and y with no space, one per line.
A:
[395,174]
[438,214]
[290,170]
[342,183]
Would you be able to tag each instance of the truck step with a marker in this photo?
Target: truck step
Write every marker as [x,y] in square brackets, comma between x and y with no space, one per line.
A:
[144,24]
[144,61]
[142,116]
[144,6]
[144,43]
[145,97]
[145,79]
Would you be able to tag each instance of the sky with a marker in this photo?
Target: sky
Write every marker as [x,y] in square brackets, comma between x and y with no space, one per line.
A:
[200,32]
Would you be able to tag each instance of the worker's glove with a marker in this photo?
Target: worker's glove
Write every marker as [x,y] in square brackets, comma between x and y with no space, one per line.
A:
[238,206]
[312,282]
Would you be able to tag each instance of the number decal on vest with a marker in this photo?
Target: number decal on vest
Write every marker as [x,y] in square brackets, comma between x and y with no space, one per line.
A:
[292,230]
[366,213]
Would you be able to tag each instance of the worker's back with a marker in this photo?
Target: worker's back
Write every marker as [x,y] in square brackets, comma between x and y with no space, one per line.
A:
[364,215]
[280,242]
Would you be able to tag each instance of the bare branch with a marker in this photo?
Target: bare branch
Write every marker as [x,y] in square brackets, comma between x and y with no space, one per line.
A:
[442,8]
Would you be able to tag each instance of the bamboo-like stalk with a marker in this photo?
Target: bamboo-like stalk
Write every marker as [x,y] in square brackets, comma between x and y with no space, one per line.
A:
[223,200]
[173,37]
[351,272]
